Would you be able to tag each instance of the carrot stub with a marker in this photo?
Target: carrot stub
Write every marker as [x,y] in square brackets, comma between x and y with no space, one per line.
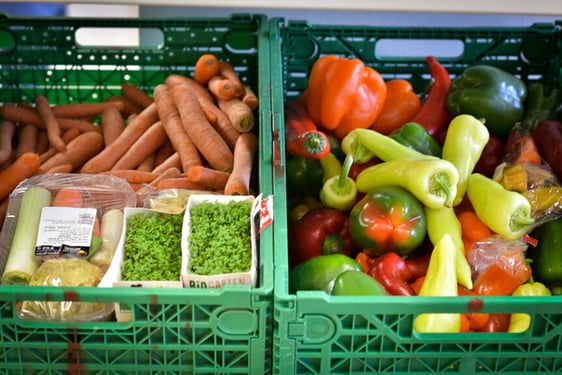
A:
[206,67]
[23,167]
[221,88]
[239,113]
[227,71]
[239,181]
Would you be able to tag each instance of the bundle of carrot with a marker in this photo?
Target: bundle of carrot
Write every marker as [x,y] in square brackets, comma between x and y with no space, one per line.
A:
[192,132]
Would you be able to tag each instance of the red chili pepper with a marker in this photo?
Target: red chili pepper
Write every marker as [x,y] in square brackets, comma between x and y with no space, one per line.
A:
[393,273]
[320,231]
[434,115]
[302,137]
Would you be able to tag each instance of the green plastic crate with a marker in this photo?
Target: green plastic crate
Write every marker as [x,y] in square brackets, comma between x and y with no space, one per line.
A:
[319,334]
[188,331]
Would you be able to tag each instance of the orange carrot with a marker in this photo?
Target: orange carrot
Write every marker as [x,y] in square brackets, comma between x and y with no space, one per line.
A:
[210,178]
[206,67]
[67,136]
[250,98]
[205,98]
[23,167]
[136,95]
[221,88]
[77,152]
[172,172]
[240,115]
[163,152]
[145,145]
[23,114]
[7,132]
[110,154]
[82,125]
[224,127]
[112,125]
[240,177]
[133,176]
[177,134]
[43,141]
[128,106]
[19,114]
[178,183]
[227,71]
[79,110]
[147,164]
[203,135]
[62,168]
[68,197]
[173,161]
[50,121]
[27,139]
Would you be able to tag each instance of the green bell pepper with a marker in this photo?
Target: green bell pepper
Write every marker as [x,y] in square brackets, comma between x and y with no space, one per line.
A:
[491,94]
[357,283]
[547,255]
[304,175]
[320,272]
[388,219]
[418,138]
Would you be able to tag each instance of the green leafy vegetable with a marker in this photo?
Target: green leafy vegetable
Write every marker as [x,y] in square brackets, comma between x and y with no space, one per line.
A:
[220,238]
[153,247]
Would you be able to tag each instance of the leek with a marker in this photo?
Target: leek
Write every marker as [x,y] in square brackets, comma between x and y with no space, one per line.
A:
[22,262]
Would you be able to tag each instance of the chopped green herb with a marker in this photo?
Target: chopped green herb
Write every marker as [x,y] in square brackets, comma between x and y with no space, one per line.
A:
[153,247]
[220,240]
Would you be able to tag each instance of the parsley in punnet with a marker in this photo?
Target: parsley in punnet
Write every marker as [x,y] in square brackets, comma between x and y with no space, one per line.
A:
[220,240]
[153,247]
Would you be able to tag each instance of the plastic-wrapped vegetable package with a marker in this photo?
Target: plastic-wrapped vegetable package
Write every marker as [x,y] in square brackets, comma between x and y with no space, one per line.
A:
[63,230]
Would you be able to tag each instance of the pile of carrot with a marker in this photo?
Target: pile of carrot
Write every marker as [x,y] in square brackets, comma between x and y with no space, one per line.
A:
[189,132]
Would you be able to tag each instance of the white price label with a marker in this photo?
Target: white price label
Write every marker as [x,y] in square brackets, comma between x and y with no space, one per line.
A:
[65,230]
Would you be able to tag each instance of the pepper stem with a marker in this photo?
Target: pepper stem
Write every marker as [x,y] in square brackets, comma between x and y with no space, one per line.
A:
[441,187]
[347,163]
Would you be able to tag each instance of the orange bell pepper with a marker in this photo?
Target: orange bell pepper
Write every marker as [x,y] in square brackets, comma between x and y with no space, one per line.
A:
[344,94]
[400,106]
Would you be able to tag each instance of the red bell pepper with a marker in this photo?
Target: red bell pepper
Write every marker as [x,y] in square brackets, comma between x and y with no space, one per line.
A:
[320,231]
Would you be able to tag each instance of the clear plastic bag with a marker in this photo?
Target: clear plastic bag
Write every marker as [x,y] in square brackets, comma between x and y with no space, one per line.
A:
[54,241]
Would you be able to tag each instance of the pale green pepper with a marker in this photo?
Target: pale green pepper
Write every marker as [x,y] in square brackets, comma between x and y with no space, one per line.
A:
[520,322]
[440,280]
[465,140]
[507,213]
[432,181]
[441,221]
